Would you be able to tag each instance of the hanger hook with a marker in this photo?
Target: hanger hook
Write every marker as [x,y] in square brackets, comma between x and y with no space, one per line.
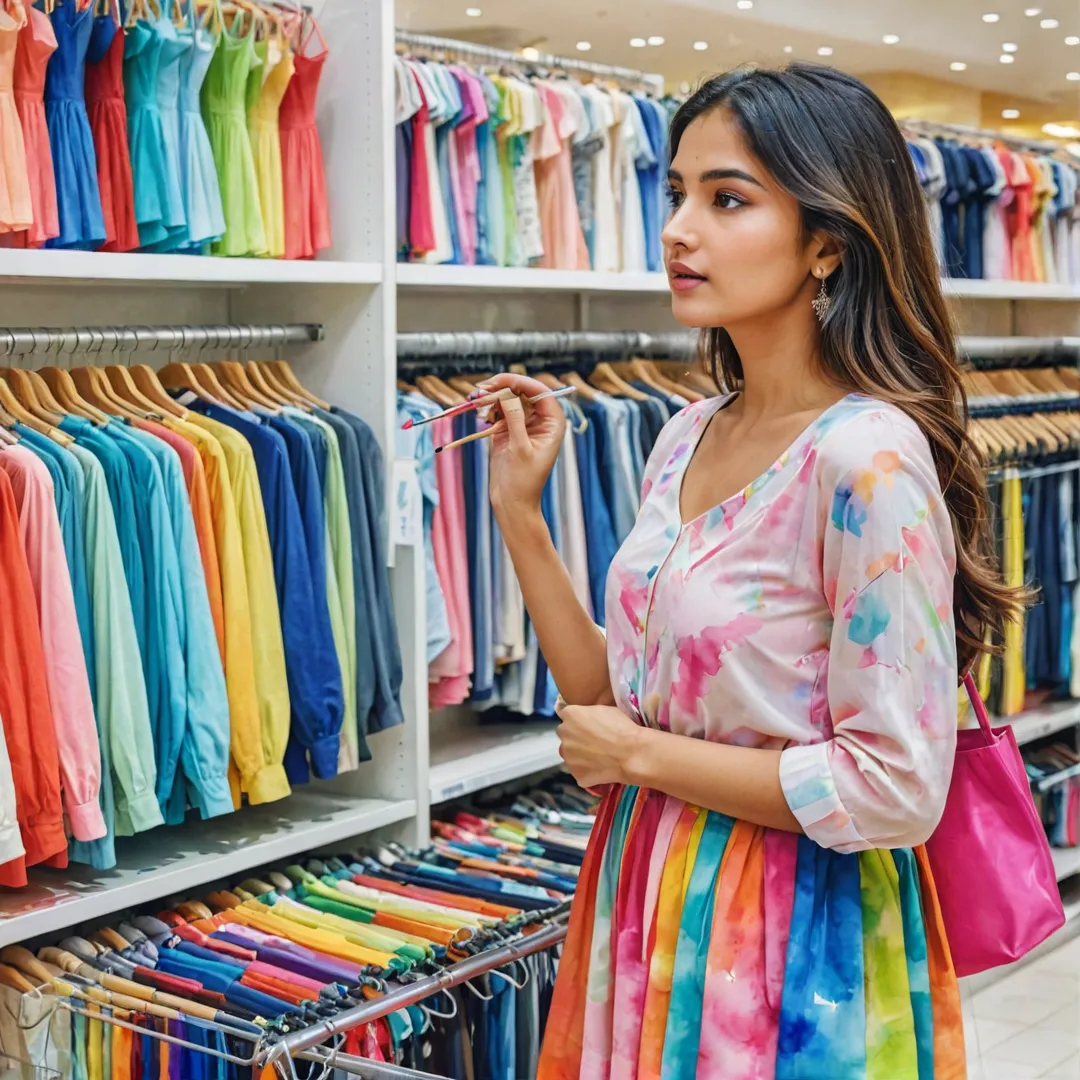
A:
[472,990]
[441,1015]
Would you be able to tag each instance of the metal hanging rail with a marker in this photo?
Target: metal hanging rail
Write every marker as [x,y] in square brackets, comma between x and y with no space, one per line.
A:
[932,127]
[23,340]
[545,60]
[551,344]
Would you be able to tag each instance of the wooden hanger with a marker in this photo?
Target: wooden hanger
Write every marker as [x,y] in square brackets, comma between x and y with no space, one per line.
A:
[15,410]
[25,389]
[572,378]
[14,978]
[225,901]
[235,377]
[147,10]
[194,909]
[605,378]
[269,388]
[124,388]
[111,939]
[87,382]
[144,381]
[67,393]
[440,392]
[26,962]
[180,375]
[213,385]
[283,369]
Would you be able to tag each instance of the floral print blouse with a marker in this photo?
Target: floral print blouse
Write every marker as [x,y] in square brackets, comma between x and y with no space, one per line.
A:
[811,612]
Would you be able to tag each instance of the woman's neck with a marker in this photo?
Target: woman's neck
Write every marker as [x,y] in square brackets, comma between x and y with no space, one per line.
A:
[782,368]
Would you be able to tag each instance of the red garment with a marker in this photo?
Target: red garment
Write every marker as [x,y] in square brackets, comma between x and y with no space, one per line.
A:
[24,707]
[108,124]
[37,43]
[307,211]
[421,225]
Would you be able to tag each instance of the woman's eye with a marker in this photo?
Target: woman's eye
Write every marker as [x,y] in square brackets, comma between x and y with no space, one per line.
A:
[726,201]
[675,198]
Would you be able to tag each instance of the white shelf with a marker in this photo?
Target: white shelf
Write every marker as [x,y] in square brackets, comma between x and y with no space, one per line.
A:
[1046,720]
[164,861]
[971,289]
[97,268]
[468,759]
[1066,862]
[511,279]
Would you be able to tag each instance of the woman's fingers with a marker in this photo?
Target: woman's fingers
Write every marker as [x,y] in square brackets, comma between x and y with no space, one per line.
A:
[514,415]
[525,388]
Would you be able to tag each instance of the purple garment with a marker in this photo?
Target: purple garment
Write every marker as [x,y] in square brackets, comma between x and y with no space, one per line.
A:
[178,1030]
[290,956]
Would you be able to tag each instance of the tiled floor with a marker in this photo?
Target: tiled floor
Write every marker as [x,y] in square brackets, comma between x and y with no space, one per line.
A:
[1027,1026]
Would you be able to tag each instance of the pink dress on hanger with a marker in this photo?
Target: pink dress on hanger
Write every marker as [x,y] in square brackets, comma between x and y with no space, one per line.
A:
[307,212]
[37,43]
[16,204]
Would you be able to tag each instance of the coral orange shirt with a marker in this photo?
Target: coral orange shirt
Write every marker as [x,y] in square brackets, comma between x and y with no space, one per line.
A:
[24,706]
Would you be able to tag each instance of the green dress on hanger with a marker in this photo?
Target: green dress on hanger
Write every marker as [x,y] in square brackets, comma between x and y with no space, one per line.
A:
[225,113]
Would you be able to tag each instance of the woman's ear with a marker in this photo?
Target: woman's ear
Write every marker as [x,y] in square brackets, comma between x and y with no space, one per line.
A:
[826,253]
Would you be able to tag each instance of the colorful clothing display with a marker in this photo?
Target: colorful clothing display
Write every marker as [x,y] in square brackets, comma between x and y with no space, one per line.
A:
[172,649]
[500,169]
[125,127]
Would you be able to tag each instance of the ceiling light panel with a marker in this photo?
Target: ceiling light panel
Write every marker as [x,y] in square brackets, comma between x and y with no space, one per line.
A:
[891,39]
[1007,58]
[958,65]
[1049,24]
[991,17]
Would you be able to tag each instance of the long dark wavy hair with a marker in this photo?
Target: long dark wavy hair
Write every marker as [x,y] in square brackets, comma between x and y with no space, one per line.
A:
[828,141]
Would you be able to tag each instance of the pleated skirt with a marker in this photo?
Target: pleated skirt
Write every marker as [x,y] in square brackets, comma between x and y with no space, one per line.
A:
[705,948]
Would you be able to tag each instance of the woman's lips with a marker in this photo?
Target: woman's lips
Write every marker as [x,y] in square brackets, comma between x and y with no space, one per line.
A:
[682,278]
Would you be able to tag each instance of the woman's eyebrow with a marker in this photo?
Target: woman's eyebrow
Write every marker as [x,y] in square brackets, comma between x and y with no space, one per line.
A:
[718,174]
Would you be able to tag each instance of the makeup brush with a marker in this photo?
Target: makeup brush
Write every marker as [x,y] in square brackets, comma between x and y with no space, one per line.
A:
[565,391]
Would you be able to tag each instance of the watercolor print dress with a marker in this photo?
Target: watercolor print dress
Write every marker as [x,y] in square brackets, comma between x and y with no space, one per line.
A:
[811,612]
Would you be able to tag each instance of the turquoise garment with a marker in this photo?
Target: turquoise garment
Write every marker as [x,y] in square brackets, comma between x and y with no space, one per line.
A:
[69,489]
[154,212]
[163,661]
[204,753]
[128,772]
[175,45]
[202,191]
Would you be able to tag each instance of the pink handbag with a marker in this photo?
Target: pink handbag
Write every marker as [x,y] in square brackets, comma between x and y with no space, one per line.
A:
[989,855]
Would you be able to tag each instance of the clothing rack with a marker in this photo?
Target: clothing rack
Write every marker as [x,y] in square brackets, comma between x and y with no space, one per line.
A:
[545,60]
[933,127]
[23,340]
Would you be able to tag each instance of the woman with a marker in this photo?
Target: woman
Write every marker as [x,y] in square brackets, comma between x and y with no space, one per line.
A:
[773,713]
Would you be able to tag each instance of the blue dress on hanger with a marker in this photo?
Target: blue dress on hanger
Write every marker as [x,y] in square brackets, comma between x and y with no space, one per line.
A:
[175,46]
[78,198]
[202,190]
[149,157]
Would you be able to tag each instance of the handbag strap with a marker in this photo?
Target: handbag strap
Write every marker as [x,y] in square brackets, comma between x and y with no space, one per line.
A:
[979,706]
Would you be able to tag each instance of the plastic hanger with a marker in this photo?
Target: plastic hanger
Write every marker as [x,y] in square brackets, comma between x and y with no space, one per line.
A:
[67,393]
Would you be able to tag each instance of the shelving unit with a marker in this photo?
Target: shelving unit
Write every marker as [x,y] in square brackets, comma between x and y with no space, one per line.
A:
[1046,720]
[1066,862]
[514,279]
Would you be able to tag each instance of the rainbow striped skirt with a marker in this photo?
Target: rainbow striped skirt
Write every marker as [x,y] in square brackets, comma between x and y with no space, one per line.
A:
[704,948]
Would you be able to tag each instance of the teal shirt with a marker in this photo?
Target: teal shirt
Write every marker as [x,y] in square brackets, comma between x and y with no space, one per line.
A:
[204,746]
[129,803]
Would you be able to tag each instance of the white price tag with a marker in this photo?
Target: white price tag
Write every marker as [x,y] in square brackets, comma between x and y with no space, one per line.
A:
[407,528]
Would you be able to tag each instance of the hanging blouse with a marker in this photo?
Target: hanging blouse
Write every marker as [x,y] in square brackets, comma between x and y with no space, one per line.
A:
[37,43]
[264,98]
[16,203]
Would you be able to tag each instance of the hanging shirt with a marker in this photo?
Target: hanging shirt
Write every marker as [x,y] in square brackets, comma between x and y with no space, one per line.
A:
[314,676]
[606,243]
[997,256]
[11,845]
[65,666]
[268,651]
[24,707]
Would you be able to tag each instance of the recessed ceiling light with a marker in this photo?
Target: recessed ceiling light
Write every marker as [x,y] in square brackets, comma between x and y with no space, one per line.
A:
[656,39]
[788,49]
[1009,46]
[1073,76]
[529,53]
[958,65]
[825,50]
[700,46]
[473,12]
[1010,114]
[991,16]
[1031,12]
[1061,131]
[638,43]
[584,46]
[745,5]
[1072,39]
[891,39]
[1007,58]
[1049,24]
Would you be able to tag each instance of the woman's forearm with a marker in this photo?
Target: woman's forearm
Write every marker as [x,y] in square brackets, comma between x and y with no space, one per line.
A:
[573,646]
[739,781]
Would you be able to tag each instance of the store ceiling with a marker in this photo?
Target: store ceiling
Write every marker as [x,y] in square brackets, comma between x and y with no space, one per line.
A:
[933,35]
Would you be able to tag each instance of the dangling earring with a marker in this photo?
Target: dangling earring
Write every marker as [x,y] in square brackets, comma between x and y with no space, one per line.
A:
[822,302]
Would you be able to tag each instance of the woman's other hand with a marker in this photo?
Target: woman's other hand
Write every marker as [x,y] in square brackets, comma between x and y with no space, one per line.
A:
[598,742]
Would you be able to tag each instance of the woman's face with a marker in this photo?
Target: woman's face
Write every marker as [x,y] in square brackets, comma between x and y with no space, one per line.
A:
[733,247]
